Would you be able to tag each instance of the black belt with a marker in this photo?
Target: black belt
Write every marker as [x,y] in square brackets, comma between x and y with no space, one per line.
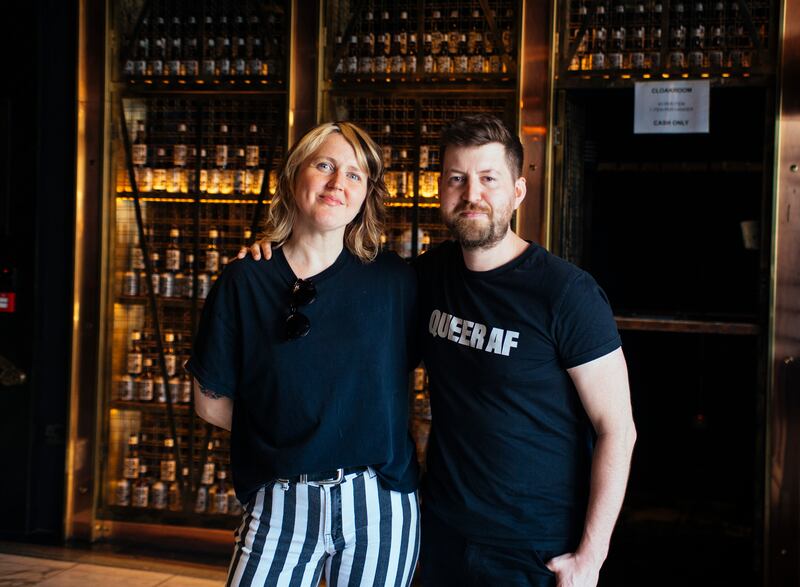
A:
[332,477]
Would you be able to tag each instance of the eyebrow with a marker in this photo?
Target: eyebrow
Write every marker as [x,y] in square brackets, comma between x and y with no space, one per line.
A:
[490,170]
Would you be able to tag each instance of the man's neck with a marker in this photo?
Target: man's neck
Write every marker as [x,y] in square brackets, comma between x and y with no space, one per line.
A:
[509,248]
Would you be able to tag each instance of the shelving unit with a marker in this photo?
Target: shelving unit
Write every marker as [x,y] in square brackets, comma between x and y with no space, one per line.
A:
[676,229]
[194,160]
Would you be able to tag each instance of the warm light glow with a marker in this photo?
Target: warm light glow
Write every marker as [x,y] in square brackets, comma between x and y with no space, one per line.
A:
[534,130]
[190,200]
[684,75]
[291,117]
[646,76]
[726,75]
[626,76]
[665,75]
[704,75]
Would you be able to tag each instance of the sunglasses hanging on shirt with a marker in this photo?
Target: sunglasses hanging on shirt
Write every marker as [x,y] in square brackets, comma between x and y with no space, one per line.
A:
[303,293]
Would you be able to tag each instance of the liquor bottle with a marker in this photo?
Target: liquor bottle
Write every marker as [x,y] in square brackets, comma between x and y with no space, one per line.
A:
[227,174]
[159,48]
[155,278]
[143,173]
[599,38]
[427,55]
[168,463]
[638,36]
[273,56]
[209,467]
[167,283]
[338,50]
[187,286]
[135,361]
[122,493]
[218,494]
[190,63]
[239,172]
[444,63]
[256,62]
[209,50]
[144,382]
[581,57]
[397,62]
[212,252]
[254,176]
[351,63]
[365,58]
[159,385]
[160,170]
[170,358]
[616,53]
[223,46]
[656,40]
[202,184]
[454,34]
[476,59]
[186,385]
[381,60]
[174,493]
[475,31]
[402,33]
[507,34]
[174,49]
[437,35]
[677,37]
[176,173]
[697,37]
[368,29]
[716,52]
[239,57]
[234,505]
[141,489]
[411,56]
[131,461]
[461,61]
[494,63]
[386,29]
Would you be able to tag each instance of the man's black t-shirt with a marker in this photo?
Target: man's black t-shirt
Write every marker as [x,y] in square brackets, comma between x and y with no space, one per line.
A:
[510,445]
[337,397]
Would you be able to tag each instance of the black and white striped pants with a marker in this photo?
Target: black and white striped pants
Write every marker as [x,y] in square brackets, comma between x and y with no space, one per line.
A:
[358,532]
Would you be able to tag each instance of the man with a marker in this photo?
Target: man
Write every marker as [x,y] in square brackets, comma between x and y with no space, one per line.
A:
[532,430]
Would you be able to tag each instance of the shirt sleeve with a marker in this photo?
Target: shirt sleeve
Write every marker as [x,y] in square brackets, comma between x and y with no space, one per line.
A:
[584,327]
[216,350]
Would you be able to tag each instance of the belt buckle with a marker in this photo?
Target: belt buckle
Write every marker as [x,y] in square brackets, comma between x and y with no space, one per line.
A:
[333,480]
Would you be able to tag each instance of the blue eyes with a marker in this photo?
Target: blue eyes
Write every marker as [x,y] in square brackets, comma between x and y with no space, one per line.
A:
[327,167]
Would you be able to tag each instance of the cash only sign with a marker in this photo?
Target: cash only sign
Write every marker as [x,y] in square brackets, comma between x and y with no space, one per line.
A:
[671,107]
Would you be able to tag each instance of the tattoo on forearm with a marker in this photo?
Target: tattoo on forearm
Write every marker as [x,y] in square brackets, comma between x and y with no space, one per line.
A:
[209,393]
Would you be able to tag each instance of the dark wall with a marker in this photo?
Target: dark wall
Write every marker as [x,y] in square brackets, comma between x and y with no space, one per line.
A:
[36,240]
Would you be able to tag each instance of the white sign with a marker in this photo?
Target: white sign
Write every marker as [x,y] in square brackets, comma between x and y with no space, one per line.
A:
[671,107]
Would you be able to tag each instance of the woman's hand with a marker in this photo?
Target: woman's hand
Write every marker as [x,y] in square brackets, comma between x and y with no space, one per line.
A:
[257,249]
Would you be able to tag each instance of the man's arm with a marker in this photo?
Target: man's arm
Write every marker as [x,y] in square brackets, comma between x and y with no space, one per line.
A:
[212,407]
[603,388]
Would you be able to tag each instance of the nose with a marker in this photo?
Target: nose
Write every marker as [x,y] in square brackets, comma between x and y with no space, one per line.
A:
[472,191]
[335,180]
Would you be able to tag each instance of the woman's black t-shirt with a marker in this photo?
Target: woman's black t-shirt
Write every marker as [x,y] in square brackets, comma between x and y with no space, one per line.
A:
[337,397]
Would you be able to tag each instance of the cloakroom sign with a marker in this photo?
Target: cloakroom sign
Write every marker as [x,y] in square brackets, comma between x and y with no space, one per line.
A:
[671,107]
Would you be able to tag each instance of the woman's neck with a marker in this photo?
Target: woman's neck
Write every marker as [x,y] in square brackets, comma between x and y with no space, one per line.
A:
[309,254]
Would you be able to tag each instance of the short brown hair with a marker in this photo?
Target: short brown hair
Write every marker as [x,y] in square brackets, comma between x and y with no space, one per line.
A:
[476,130]
[362,236]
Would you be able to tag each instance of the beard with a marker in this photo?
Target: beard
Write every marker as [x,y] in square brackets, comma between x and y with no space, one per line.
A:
[478,233]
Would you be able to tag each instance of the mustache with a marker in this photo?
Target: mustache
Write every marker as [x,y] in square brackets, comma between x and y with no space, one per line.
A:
[470,207]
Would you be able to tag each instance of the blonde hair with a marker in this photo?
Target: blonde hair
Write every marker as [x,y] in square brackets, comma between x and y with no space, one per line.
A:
[362,236]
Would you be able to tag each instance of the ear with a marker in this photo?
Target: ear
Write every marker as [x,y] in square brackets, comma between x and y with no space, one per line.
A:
[520,189]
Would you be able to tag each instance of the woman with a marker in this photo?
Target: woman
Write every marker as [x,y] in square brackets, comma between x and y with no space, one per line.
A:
[305,359]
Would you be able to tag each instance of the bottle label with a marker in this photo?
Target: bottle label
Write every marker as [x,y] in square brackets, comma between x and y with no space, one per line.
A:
[186,391]
[365,64]
[251,156]
[159,496]
[462,64]
[615,60]
[255,67]
[351,64]
[168,470]
[171,360]
[437,39]
[411,64]
[452,41]
[443,64]
[128,68]
[637,60]
[203,187]
[398,64]
[134,362]
[209,67]
[145,389]
[122,495]
[427,64]
[139,154]
[173,260]
[179,153]
[208,474]
[224,65]
[203,285]
[221,503]
[159,179]
[239,181]
[174,386]
[160,390]
[476,64]
[141,496]
[202,500]
[239,66]
[424,156]
[157,67]
[144,179]
[191,67]
[212,261]
[130,467]
[125,390]
[130,284]
[222,155]
[140,67]
[155,280]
